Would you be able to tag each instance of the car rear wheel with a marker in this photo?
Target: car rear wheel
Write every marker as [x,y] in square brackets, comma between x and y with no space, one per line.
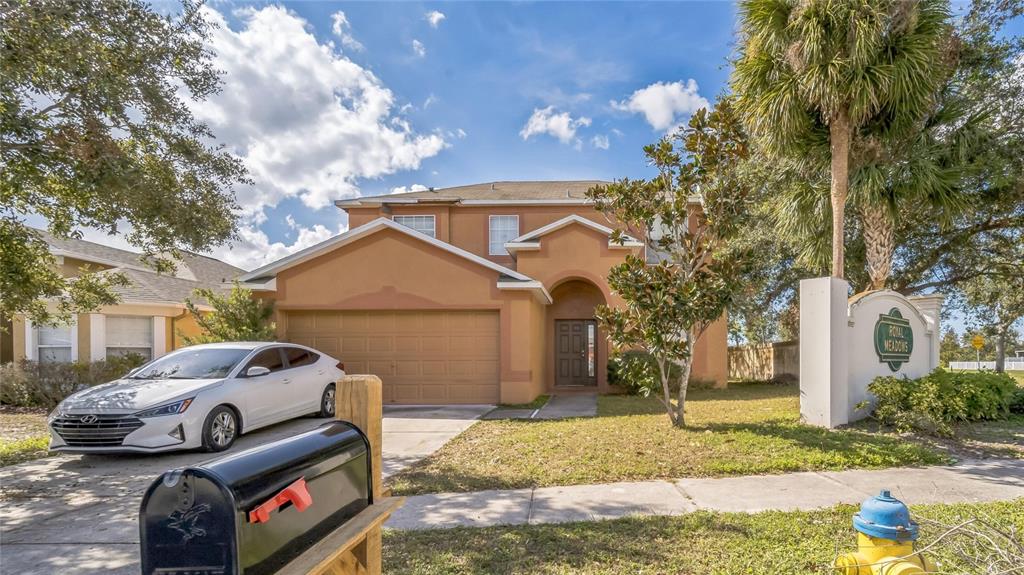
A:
[220,429]
[327,402]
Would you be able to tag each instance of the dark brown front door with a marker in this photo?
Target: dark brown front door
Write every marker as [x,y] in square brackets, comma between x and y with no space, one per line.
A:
[575,352]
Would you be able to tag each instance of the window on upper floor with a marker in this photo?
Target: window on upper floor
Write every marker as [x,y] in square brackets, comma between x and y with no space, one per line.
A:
[422,224]
[501,229]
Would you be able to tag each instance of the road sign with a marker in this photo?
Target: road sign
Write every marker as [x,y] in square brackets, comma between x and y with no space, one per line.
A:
[978,342]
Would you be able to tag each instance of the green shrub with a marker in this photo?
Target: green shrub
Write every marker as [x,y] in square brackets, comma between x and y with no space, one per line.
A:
[1017,401]
[933,403]
[45,384]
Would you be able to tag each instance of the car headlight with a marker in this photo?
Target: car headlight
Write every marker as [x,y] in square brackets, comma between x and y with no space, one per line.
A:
[57,411]
[168,409]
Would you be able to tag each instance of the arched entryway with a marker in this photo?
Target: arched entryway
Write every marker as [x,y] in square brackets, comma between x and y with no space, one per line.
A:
[578,354]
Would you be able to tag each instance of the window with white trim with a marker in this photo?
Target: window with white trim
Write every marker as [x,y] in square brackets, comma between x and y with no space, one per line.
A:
[422,224]
[53,343]
[129,334]
[500,230]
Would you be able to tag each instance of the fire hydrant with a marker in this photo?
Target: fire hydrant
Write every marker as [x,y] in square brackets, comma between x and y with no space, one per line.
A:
[885,541]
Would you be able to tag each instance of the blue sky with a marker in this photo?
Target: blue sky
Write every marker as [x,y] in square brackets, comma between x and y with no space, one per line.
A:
[474,92]
[330,100]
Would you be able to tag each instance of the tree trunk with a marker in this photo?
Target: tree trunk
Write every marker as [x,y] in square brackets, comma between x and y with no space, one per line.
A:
[839,138]
[879,243]
[1001,349]
[684,384]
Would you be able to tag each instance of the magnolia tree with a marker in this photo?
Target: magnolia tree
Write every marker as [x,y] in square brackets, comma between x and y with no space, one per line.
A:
[237,316]
[689,210]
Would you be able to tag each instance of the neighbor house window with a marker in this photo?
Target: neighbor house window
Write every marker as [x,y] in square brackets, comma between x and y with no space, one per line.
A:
[53,343]
[422,224]
[129,334]
[502,229]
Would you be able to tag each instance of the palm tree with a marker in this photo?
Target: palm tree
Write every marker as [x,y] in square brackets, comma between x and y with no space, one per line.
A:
[813,77]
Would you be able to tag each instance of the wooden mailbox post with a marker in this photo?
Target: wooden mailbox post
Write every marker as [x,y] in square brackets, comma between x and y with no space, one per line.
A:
[355,547]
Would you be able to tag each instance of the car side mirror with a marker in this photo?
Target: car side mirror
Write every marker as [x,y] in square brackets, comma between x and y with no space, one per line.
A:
[256,371]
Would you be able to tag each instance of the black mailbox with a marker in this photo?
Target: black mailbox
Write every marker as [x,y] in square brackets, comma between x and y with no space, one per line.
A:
[251,512]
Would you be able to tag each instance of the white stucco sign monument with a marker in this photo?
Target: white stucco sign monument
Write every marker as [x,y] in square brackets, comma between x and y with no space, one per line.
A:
[845,343]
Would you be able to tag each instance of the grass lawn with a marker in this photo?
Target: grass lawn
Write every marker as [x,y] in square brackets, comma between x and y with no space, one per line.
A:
[746,429]
[23,435]
[703,543]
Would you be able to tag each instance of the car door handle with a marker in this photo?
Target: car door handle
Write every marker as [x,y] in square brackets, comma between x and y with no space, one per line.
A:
[286,380]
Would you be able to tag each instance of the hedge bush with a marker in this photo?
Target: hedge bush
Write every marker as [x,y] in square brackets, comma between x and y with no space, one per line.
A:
[933,403]
[36,384]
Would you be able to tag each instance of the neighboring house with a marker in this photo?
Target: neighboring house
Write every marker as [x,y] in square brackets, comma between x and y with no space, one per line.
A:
[473,294]
[149,320]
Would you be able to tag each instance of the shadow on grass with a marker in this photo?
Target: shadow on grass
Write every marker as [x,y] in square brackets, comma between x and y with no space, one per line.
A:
[570,547]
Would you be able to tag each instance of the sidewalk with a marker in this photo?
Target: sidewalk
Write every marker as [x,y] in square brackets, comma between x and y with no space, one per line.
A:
[985,480]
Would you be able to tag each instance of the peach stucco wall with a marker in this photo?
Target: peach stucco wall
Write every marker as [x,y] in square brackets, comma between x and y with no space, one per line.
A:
[390,270]
[467,226]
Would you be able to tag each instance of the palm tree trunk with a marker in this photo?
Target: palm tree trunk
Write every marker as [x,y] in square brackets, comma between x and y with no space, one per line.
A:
[879,243]
[839,137]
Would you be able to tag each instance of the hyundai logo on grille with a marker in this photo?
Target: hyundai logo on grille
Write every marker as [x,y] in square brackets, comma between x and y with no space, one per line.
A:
[89,419]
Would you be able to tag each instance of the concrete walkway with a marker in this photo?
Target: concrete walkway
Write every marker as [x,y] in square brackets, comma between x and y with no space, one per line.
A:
[558,407]
[988,480]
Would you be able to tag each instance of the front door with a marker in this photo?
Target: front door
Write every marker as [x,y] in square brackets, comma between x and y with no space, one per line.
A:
[575,352]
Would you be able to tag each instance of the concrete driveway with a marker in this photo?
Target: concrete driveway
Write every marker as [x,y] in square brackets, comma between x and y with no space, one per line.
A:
[79,515]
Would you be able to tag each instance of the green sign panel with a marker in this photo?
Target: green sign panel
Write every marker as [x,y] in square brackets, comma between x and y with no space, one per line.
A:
[894,340]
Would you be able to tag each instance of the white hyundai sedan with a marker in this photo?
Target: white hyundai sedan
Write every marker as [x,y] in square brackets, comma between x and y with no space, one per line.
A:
[200,396]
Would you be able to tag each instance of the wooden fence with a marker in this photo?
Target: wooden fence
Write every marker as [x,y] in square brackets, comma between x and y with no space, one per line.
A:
[778,361]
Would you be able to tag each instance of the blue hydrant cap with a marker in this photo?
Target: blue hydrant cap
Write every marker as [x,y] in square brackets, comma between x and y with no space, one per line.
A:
[885,517]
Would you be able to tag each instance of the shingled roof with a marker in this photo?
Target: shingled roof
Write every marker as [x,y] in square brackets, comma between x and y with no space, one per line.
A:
[558,191]
[147,286]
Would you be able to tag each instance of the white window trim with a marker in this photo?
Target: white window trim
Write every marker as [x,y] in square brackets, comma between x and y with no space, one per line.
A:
[433,222]
[97,336]
[490,222]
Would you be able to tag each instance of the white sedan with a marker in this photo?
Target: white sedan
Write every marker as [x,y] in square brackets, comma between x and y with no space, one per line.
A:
[200,396]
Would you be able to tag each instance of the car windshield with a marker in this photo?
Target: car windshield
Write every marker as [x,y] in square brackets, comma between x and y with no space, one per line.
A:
[210,363]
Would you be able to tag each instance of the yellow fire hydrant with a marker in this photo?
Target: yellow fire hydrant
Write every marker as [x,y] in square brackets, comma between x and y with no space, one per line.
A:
[885,541]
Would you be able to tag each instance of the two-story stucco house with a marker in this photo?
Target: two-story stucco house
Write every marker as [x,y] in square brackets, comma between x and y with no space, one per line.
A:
[149,320]
[473,294]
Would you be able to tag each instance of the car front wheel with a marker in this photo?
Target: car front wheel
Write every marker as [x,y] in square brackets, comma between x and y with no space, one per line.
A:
[327,402]
[220,429]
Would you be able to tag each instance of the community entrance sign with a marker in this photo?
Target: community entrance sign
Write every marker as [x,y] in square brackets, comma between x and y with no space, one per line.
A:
[894,339]
[846,342]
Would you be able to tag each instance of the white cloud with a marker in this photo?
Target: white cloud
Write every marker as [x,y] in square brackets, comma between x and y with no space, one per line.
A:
[419,49]
[342,29]
[460,133]
[254,248]
[664,105]
[557,124]
[430,101]
[600,141]
[412,188]
[308,122]
[434,18]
